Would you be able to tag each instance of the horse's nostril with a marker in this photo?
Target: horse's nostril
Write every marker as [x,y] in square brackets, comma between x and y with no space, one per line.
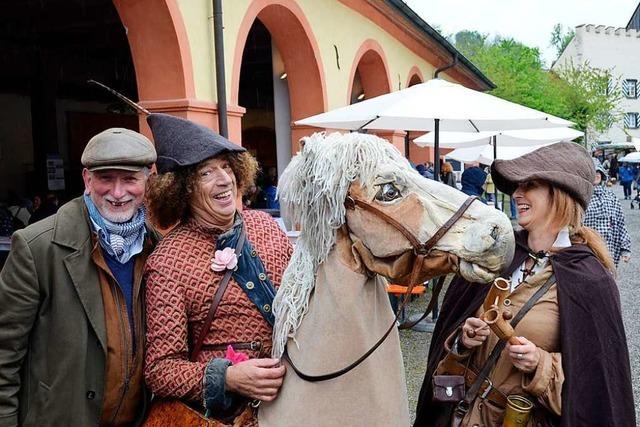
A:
[495,232]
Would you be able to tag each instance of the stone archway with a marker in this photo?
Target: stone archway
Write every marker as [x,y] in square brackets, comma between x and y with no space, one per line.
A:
[370,64]
[415,77]
[162,60]
[371,70]
[292,34]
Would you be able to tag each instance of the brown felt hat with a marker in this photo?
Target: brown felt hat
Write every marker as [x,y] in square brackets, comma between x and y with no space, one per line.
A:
[118,148]
[565,165]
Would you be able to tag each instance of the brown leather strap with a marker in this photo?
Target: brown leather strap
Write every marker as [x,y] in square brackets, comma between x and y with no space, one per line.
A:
[245,345]
[351,203]
[222,286]
[429,244]
[435,293]
[420,248]
[491,393]
[474,391]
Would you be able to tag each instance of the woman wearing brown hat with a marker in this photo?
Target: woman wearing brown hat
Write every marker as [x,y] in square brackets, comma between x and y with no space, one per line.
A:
[211,281]
[569,357]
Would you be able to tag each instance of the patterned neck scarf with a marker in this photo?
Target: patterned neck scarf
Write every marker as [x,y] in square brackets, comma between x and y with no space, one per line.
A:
[120,240]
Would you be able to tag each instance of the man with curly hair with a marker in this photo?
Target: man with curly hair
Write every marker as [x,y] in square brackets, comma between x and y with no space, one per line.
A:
[211,282]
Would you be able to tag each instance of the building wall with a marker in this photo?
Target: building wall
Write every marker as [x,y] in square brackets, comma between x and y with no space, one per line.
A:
[331,22]
[611,48]
[338,34]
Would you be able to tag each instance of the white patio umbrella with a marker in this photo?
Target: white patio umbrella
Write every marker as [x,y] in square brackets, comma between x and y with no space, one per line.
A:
[630,158]
[484,153]
[508,138]
[433,106]
[497,144]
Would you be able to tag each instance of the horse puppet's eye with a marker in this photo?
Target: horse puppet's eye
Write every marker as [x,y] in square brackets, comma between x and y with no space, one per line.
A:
[388,193]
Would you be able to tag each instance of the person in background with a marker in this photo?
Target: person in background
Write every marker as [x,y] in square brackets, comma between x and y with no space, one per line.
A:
[429,172]
[626,174]
[19,209]
[447,176]
[604,215]
[45,209]
[71,298]
[489,187]
[421,169]
[472,181]
[613,167]
[269,193]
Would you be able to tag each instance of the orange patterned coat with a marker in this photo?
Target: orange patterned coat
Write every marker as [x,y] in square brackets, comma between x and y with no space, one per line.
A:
[179,290]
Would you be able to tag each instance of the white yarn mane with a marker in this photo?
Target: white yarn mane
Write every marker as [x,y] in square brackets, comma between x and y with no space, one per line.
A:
[312,191]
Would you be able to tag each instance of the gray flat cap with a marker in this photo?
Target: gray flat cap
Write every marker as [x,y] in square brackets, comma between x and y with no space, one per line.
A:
[183,143]
[565,164]
[118,148]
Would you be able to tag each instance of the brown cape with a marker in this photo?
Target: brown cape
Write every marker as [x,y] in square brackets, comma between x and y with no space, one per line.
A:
[597,388]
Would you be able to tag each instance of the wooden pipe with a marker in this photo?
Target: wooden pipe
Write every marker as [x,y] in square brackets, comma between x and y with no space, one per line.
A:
[496,315]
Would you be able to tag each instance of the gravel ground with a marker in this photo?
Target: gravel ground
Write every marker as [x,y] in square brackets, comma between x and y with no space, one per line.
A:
[415,345]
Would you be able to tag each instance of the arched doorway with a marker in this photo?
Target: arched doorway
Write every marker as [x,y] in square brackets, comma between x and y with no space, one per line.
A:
[162,58]
[415,77]
[370,78]
[369,73]
[47,110]
[277,76]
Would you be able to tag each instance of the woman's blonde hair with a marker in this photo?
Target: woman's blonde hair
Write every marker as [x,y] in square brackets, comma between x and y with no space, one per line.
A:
[446,167]
[566,212]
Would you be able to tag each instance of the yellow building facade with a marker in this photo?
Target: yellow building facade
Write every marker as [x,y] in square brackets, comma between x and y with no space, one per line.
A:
[284,60]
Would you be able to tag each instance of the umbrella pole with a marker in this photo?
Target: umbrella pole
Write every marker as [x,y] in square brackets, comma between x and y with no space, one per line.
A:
[436,151]
[495,156]
[406,144]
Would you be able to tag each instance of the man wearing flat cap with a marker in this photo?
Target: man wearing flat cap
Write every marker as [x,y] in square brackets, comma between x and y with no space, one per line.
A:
[71,316]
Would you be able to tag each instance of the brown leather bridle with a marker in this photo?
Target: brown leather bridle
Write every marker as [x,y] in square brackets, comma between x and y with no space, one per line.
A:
[421,251]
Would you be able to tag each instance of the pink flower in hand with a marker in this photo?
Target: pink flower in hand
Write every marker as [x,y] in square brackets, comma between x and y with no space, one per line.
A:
[225,259]
[235,357]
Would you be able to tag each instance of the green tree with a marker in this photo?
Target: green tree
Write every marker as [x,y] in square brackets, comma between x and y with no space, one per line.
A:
[585,95]
[561,38]
[469,43]
[593,96]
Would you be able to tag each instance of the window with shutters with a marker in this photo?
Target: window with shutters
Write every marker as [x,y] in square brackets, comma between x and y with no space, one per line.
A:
[631,120]
[630,88]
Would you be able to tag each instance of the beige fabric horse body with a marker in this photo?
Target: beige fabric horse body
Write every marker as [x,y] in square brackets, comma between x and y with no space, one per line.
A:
[332,305]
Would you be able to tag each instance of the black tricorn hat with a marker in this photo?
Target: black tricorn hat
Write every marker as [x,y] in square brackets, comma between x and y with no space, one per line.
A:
[181,142]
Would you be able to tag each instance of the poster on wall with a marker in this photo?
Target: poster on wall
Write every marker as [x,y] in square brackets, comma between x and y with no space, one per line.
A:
[55,172]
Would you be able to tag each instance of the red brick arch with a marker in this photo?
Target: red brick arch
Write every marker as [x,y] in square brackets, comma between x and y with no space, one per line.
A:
[371,63]
[415,77]
[162,59]
[292,34]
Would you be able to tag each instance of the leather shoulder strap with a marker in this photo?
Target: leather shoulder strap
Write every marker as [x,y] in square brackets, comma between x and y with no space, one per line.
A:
[472,393]
[217,297]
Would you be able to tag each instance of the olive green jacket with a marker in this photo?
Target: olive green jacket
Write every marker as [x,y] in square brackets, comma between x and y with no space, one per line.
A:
[52,326]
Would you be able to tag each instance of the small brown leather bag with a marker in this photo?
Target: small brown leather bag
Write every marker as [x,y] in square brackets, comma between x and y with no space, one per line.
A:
[448,388]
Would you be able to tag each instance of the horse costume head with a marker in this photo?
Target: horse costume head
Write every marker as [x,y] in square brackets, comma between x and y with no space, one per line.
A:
[337,168]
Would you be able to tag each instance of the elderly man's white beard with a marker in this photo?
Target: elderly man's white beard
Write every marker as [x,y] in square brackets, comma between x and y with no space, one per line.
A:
[111,213]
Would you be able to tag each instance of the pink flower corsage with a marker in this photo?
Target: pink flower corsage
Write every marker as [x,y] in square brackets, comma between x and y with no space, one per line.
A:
[225,259]
[235,356]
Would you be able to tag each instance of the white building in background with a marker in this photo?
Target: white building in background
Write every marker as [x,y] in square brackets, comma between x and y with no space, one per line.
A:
[616,49]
